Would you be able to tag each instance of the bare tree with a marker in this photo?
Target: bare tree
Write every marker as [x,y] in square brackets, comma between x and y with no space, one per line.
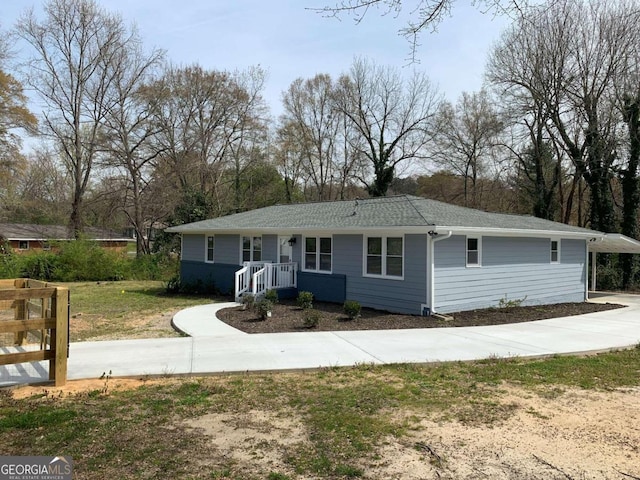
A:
[14,116]
[465,135]
[246,130]
[42,189]
[288,154]
[72,69]
[392,117]
[567,56]
[192,109]
[128,134]
[424,15]
[308,107]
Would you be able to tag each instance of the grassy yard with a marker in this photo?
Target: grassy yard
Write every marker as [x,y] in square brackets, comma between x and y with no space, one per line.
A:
[346,415]
[127,309]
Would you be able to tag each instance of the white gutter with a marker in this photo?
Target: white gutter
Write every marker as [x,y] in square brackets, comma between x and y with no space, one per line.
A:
[431,270]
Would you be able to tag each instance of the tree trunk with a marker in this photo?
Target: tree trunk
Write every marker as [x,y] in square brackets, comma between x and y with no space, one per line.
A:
[630,186]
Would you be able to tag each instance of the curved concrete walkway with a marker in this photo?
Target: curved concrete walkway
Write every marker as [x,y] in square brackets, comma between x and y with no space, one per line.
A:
[214,347]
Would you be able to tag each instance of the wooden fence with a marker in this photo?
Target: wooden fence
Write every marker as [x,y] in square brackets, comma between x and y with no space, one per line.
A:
[41,311]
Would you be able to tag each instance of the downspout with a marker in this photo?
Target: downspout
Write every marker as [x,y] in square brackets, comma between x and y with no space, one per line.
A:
[431,271]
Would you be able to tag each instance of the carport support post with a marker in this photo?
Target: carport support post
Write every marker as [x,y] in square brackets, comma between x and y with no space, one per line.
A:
[593,271]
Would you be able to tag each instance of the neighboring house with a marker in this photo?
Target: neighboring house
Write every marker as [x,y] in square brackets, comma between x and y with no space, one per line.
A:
[403,254]
[24,238]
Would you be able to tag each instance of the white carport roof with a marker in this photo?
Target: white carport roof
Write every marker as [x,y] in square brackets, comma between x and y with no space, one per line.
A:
[615,243]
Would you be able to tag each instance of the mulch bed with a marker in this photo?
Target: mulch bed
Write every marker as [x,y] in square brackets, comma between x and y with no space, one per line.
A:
[288,317]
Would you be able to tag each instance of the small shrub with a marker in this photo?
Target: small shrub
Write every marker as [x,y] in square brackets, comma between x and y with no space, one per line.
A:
[272,296]
[173,285]
[352,309]
[310,318]
[305,300]
[248,301]
[264,308]
[516,302]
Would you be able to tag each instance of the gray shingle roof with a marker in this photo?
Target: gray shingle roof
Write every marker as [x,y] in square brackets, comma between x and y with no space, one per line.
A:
[382,212]
[31,231]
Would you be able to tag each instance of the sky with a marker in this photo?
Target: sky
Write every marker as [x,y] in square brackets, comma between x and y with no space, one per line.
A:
[289,40]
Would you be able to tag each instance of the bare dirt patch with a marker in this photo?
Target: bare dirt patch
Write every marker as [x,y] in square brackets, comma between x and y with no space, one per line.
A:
[288,317]
[78,387]
[256,438]
[578,435]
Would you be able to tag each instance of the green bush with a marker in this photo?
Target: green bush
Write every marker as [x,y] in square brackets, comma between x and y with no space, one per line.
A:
[272,296]
[352,309]
[83,260]
[264,308]
[9,267]
[305,300]
[154,267]
[40,265]
[311,318]
[248,300]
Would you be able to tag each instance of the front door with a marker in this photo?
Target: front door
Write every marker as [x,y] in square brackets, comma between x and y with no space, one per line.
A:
[285,250]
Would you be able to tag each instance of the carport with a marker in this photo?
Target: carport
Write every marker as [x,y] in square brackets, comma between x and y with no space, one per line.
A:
[609,243]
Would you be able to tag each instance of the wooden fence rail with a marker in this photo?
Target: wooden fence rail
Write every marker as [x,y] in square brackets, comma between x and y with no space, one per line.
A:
[42,307]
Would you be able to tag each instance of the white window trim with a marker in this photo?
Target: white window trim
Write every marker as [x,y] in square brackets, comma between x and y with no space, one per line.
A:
[466,251]
[384,257]
[206,248]
[23,241]
[304,254]
[550,251]
[251,236]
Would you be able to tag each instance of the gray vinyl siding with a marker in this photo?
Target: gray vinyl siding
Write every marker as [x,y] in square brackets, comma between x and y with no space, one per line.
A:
[227,249]
[512,268]
[193,247]
[270,248]
[402,296]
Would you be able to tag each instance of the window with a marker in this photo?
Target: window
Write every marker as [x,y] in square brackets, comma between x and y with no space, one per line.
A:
[251,249]
[317,254]
[555,251]
[384,256]
[23,245]
[473,252]
[46,246]
[211,243]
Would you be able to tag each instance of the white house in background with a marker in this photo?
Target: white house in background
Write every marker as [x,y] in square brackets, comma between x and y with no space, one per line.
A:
[402,254]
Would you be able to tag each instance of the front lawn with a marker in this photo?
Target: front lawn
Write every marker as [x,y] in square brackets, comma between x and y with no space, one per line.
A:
[126,309]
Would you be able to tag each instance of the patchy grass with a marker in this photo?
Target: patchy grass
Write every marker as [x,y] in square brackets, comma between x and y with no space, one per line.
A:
[127,309]
[347,413]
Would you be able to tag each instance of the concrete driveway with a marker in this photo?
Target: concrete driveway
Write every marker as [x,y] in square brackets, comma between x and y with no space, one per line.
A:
[214,347]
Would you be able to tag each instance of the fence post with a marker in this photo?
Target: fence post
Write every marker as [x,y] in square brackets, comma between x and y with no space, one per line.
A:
[58,365]
[20,312]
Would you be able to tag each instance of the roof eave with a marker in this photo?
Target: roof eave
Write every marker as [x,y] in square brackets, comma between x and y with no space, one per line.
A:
[518,232]
[456,230]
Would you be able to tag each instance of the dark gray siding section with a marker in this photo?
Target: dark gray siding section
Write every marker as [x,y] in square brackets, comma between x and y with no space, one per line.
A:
[193,247]
[325,288]
[218,275]
[512,269]
[402,296]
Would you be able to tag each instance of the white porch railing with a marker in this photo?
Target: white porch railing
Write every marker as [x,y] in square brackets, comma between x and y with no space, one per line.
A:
[258,277]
